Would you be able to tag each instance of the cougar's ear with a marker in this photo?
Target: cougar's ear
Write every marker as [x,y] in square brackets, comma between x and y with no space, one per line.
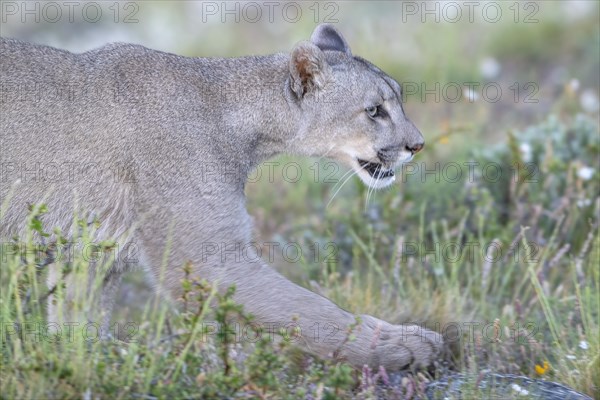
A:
[326,37]
[309,70]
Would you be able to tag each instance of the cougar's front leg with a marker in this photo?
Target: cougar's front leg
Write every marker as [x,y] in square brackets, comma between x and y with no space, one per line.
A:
[312,321]
[323,326]
[213,239]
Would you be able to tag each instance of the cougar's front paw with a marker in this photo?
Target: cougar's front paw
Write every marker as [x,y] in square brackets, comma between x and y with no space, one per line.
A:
[394,347]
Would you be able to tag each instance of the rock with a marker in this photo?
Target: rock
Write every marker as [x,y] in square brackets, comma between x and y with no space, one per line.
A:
[499,386]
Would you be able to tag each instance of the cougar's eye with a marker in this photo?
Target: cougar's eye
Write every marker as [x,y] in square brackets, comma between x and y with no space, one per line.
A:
[372,111]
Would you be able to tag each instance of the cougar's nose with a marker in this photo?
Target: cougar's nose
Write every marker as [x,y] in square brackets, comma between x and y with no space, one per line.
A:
[415,148]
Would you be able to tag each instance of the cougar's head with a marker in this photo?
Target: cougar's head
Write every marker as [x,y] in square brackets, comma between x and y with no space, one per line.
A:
[351,110]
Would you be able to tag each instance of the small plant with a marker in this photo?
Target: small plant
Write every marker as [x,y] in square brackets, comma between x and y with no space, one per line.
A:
[264,367]
[551,165]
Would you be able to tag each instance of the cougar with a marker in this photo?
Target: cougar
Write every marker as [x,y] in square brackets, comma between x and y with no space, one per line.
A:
[157,148]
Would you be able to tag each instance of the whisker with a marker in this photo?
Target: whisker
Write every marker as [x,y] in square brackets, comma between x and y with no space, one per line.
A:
[372,187]
[341,186]
[341,178]
[327,152]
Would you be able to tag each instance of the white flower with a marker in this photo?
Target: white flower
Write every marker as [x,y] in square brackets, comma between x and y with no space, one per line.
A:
[581,203]
[574,84]
[584,345]
[521,391]
[577,9]
[470,94]
[585,173]
[525,150]
[571,357]
[589,101]
[489,68]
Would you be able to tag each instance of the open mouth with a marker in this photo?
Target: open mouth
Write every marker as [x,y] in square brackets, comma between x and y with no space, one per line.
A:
[376,170]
